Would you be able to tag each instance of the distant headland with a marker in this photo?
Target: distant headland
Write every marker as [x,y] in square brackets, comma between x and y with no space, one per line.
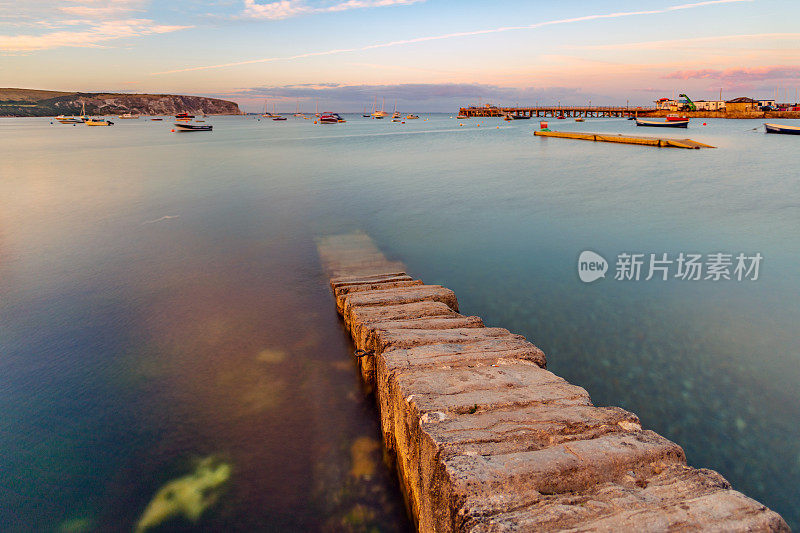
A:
[38,103]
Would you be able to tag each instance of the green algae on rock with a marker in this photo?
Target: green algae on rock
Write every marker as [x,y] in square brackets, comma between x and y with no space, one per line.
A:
[76,525]
[188,496]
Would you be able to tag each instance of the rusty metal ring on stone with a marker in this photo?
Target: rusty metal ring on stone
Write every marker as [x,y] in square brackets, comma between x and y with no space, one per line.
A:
[363,353]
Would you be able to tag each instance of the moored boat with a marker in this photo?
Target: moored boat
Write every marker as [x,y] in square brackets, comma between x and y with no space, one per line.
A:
[73,119]
[183,116]
[578,119]
[411,116]
[780,128]
[665,124]
[379,113]
[330,118]
[98,122]
[676,118]
[128,116]
[183,126]
[279,117]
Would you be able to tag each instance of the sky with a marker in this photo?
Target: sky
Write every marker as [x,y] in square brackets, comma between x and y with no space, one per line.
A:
[426,55]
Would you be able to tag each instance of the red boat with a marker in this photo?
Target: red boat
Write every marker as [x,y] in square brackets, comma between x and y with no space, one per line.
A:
[181,116]
[676,118]
[330,118]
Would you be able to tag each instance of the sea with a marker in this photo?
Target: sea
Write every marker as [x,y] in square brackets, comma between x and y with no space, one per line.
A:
[170,354]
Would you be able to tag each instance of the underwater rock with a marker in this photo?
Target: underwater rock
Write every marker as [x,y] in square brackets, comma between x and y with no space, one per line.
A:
[358,519]
[362,453]
[271,355]
[76,525]
[188,496]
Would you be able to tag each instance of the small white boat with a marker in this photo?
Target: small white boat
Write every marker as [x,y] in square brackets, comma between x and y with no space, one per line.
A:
[129,116]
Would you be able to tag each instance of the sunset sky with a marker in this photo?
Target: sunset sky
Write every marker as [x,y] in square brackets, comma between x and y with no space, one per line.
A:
[426,54]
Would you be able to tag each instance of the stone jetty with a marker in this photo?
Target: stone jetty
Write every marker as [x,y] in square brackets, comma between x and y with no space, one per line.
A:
[485,439]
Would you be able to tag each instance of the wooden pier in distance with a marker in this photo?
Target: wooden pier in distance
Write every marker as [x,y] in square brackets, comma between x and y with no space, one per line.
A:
[555,111]
[662,142]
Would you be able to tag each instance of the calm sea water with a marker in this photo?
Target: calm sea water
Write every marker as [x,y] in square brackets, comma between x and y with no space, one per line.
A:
[163,308]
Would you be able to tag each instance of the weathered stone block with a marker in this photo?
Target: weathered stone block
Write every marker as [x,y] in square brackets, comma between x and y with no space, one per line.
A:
[365,336]
[410,311]
[494,351]
[380,278]
[401,295]
[342,291]
[678,498]
[386,339]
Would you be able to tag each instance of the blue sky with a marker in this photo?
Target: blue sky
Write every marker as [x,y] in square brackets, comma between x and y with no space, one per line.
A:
[426,54]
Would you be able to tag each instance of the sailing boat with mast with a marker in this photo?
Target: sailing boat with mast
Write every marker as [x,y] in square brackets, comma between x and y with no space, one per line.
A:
[276,116]
[379,114]
[297,112]
[266,113]
[73,119]
[396,114]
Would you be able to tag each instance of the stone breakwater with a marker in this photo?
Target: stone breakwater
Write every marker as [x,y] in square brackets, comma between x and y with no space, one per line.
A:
[485,439]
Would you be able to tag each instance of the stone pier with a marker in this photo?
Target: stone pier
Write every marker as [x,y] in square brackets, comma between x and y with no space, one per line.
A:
[485,439]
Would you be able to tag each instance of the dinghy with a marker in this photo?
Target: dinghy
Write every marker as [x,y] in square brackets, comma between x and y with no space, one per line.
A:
[665,124]
[780,128]
[183,126]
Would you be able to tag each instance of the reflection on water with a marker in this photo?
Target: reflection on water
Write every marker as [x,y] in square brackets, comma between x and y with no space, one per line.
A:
[162,302]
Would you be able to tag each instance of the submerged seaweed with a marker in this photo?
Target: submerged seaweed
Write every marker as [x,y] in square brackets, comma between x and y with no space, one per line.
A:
[188,496]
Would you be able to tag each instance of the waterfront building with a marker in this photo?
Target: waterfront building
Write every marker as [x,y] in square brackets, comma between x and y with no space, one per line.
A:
[741,104]
[710,105]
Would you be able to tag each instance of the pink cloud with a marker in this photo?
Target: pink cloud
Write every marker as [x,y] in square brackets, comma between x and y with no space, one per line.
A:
[739,74]
[282,9]
[87,38]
